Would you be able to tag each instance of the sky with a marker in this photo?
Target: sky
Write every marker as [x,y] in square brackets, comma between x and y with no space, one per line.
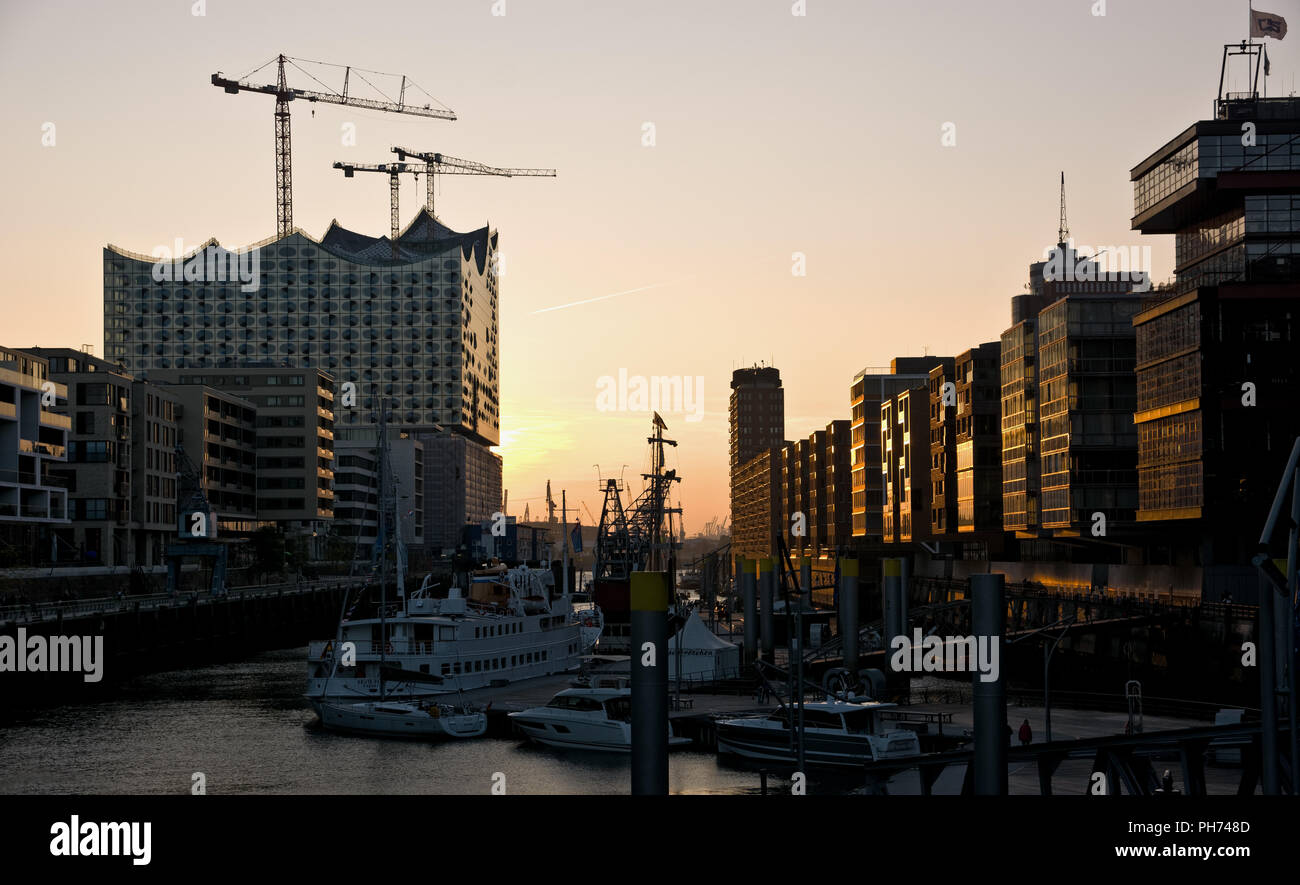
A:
[706,152]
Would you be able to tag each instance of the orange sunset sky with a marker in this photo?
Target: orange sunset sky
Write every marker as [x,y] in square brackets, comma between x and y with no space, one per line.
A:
[774,134]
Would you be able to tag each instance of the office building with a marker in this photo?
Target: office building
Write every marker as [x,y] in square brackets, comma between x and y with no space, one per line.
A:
[1019,395]
[294,416]
[1068,448]
[905,465]
[943,449]
[121,470]
[795,498]
[155,434]
[870,389]
[356,478]
[979,440]
[33,444]
[1217,376]
[217,435]
[462,487]
[832,523]
[99,466]
[1086,396]
[419,330]
[756,517]
[756,416]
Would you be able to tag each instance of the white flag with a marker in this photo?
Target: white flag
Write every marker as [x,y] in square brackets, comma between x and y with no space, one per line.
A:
[1266,24]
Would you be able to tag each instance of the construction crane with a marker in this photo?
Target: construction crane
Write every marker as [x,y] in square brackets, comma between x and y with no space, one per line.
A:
[284,94]
[440,164]
[393,170]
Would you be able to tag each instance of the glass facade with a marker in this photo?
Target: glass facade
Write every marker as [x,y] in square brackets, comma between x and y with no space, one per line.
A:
[1020,427]
[1201,444]
[422,333]
[1087,353]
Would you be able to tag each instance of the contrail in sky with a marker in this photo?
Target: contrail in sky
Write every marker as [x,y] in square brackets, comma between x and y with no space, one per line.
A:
[603,297]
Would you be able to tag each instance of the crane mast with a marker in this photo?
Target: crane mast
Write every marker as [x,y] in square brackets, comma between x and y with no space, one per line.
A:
[283,143]
[393,170]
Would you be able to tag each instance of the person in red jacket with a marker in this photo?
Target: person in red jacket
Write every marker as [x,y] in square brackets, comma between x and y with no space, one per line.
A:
[1026,733]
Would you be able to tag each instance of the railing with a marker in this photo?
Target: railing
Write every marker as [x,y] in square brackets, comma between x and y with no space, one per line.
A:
[316,650]
[48,611]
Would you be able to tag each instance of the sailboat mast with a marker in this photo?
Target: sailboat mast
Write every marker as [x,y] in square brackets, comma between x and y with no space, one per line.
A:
[564,529]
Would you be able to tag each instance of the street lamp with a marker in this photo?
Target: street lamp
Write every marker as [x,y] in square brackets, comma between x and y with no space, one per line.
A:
[1047,661]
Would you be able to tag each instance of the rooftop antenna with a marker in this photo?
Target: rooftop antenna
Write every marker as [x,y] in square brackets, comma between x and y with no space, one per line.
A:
[1063,232]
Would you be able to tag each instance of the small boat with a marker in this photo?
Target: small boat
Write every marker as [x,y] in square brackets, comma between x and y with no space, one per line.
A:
[596,718]
[401,719]
[837,733]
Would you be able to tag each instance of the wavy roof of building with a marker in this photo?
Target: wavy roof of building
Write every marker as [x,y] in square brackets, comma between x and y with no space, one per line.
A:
[423,237]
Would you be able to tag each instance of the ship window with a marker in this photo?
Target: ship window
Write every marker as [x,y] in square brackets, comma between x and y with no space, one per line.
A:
[821,719]
[446,633]
[457,667]
[424,668]
[779,716]
[478,666]
[572,702]
[858,722]
[512,660]
[446,669]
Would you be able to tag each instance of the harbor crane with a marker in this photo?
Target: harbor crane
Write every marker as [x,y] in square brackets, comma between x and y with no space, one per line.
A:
[440,164]
[284,94]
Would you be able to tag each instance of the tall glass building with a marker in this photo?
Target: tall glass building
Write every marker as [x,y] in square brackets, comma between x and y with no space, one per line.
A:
[418,328]
[1217,376]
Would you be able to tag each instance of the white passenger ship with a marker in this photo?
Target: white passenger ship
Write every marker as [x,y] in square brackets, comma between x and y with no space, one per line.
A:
[508,627]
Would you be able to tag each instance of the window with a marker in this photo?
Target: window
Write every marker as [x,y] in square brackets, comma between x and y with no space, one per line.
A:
[94,508]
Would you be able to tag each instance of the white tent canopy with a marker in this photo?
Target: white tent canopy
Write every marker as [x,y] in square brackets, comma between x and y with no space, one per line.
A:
[704,655]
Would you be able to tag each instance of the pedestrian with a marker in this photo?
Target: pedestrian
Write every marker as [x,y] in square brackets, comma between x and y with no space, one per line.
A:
[1026,733]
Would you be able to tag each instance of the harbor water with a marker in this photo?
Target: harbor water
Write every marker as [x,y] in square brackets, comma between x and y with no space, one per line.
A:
[246,727]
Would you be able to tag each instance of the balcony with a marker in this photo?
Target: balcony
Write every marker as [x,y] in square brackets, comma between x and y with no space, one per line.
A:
[31,382]
[8,410]
[32,447]
[18,477]
[49,419]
